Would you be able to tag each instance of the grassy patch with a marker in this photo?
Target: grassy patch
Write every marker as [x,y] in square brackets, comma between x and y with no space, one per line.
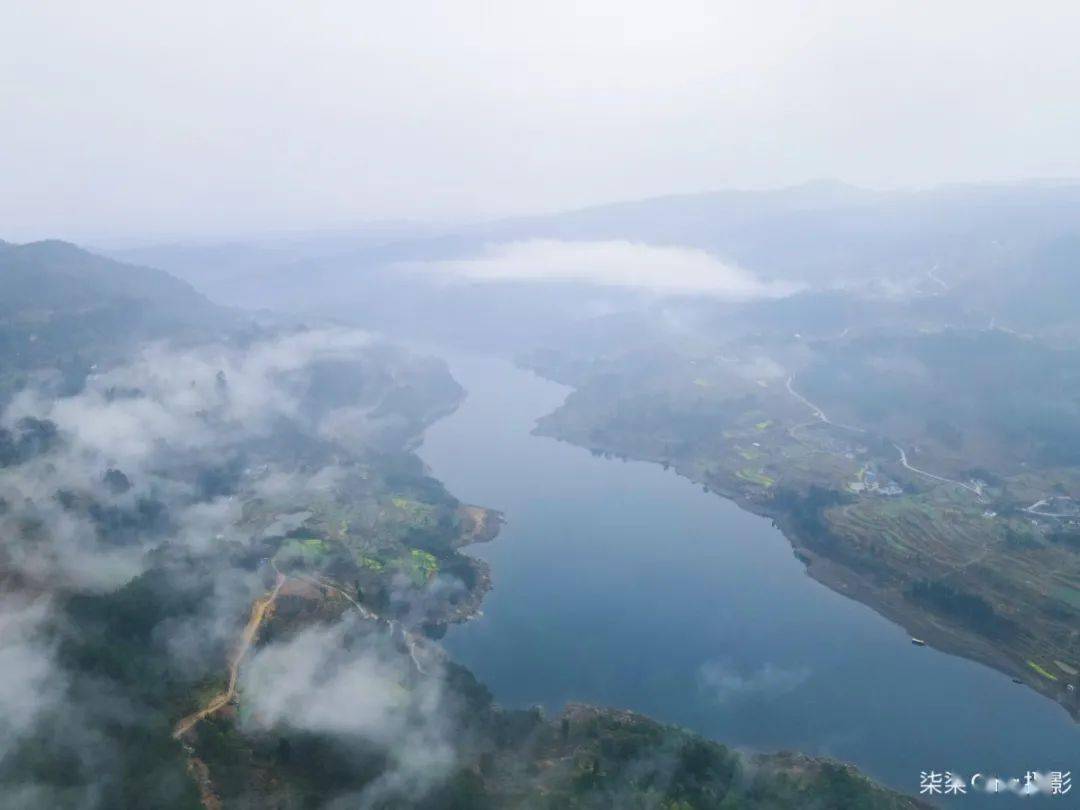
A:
[371,563]
[308,550]
[415,513]
[1041,671]
[420,566]
[755,477]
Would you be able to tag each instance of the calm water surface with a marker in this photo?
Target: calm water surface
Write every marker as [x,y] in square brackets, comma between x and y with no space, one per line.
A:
[620,584]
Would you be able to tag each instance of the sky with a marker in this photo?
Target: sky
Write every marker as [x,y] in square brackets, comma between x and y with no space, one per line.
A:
[198,118]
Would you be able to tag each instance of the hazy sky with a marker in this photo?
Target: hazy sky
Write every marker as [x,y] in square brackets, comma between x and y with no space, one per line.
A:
[199,117]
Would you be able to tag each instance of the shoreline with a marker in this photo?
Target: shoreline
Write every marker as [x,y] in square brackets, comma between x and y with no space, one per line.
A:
[942,636]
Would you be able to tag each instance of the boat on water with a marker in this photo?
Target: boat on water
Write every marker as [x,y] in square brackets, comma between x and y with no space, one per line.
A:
[918,642]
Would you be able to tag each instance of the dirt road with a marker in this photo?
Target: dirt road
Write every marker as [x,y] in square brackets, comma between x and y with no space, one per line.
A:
[219,701]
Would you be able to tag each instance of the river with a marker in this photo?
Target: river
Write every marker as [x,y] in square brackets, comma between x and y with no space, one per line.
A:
[621,584]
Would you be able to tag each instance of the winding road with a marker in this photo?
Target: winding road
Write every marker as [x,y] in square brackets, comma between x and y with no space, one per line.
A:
[904,461]
[394,625]
[820,414]
[259,612]
[1034,510]
[219,701]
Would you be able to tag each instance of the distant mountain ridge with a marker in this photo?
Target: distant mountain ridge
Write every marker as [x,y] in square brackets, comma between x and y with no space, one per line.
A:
[64,308]
[58,274]
[823,233]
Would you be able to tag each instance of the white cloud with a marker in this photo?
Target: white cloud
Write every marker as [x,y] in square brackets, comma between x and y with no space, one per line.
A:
[30,682]
[163,419]
[611,263]
[156,418]
[179,387]
[316,683]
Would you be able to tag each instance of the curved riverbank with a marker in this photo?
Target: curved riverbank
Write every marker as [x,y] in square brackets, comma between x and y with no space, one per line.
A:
[621,584]
[870,591]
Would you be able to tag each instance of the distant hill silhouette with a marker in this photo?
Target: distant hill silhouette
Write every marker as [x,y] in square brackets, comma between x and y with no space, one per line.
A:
[64,308]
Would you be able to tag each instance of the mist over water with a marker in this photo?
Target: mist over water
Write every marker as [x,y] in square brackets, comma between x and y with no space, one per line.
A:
[621,584]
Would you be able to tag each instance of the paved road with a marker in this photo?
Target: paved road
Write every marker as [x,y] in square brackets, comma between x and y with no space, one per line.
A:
[904,461]
[820,414]
[1034,510]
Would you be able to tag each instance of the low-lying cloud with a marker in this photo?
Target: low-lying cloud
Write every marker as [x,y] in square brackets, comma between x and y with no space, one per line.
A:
[611,263]
[153,424]
[147,469]
[318,682]
[30,683]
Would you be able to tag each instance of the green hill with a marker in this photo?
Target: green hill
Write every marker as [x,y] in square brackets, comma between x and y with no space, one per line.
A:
[64,308]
